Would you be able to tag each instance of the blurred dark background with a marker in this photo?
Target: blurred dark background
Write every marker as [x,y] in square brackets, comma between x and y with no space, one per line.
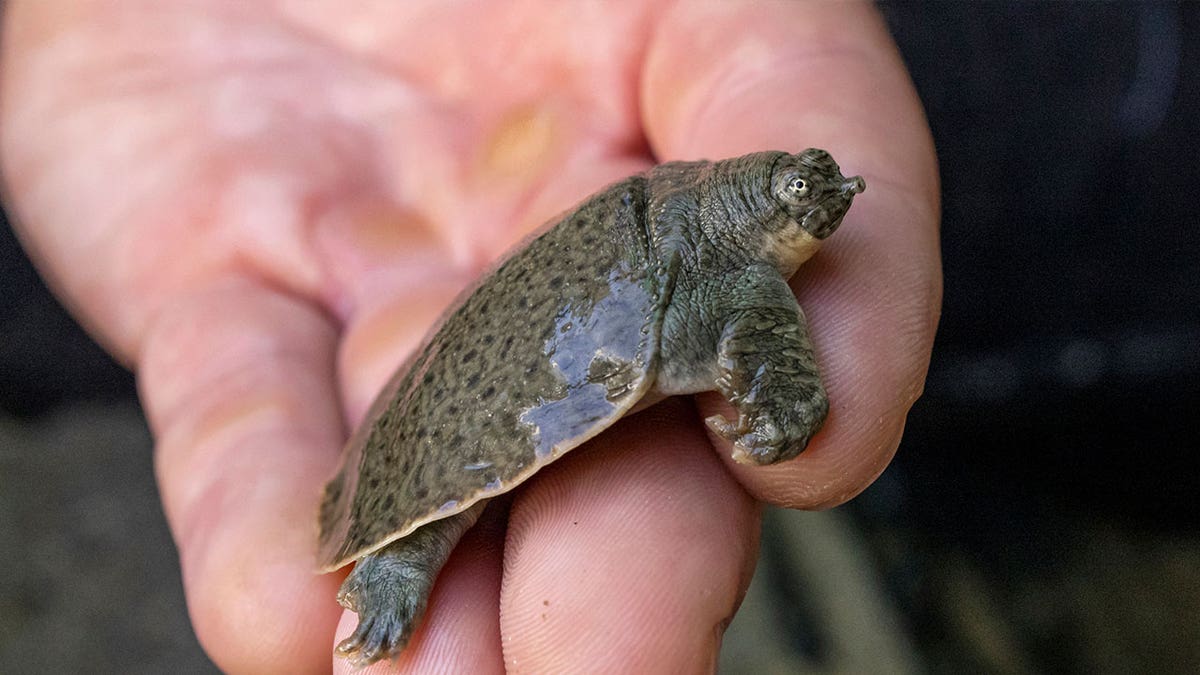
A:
[1040,516]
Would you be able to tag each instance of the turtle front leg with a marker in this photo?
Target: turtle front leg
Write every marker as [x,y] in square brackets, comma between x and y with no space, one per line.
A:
[390,588]
[768,372]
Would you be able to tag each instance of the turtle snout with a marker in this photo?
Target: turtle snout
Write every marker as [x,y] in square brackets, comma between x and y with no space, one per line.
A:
[853,186]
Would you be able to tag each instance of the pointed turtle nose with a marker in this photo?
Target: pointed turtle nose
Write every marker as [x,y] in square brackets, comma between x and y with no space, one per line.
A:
[853,186]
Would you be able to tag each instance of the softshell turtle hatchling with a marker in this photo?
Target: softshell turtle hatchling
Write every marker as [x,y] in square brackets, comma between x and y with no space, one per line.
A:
[673,281]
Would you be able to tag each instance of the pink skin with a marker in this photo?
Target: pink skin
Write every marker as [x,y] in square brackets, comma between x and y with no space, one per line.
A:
[262,206]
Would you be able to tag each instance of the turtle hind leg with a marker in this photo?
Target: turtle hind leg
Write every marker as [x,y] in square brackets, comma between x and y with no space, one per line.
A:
[389,588]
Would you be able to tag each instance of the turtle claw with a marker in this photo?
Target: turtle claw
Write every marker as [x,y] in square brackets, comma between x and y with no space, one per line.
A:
[376,637]
[722,427]
[761,446]
[759,439]
[347,595]
[752,444]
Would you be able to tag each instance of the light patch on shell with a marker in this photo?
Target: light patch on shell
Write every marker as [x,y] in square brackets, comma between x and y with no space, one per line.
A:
[595,362]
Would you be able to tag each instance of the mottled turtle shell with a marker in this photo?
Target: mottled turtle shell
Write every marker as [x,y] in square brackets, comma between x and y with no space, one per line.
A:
[555,345]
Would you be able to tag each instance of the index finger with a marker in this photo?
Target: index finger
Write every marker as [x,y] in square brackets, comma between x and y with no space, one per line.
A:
[724,79]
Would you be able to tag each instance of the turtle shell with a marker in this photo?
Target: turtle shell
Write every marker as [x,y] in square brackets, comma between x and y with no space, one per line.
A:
[553,346]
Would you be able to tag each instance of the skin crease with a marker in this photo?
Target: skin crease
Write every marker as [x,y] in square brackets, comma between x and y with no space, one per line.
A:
[262,206]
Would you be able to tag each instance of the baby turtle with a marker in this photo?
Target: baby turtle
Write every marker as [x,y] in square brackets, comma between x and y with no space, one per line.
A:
[673,281]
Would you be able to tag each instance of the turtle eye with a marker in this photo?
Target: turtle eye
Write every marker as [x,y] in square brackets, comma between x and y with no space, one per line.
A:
[799,187]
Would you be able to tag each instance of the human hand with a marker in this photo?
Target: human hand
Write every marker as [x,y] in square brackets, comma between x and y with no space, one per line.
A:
[261,207]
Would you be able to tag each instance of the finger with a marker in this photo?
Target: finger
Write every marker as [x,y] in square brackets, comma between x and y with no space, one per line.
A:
[722,79]
[630,555]
[238,386]
[460,632]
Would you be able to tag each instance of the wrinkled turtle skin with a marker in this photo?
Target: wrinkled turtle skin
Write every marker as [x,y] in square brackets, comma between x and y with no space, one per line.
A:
[673,281]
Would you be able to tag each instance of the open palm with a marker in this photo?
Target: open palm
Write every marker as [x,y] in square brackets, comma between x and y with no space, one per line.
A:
[263,206]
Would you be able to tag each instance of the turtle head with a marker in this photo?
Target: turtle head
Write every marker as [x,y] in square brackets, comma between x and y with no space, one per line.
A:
[769,207]
[813,196]
[812,190]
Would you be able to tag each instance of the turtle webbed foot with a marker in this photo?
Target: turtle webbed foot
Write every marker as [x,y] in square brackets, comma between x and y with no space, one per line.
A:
[376,638]
[767,369]
[388,602]
[390,588]
[768,435]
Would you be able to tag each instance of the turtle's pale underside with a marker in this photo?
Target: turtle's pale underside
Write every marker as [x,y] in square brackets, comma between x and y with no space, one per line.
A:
[673,281]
